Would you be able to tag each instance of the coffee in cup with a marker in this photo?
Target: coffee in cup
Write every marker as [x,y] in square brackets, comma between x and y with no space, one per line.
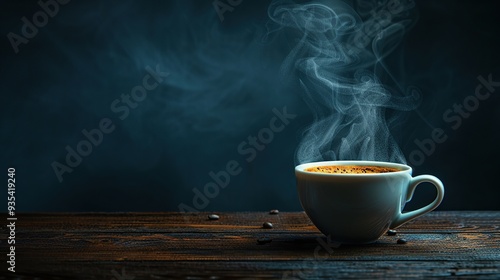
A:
[351,169]
[356,202]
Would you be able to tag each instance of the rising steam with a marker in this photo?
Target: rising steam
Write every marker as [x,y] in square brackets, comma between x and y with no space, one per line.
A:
[338,53]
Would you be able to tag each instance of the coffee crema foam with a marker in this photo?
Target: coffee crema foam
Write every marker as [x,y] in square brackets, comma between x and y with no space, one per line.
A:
[351,169]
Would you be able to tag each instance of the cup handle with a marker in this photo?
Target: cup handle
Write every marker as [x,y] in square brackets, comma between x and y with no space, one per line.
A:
[414,182]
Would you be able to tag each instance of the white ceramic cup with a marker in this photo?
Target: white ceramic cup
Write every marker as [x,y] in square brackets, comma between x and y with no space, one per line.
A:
[359,208]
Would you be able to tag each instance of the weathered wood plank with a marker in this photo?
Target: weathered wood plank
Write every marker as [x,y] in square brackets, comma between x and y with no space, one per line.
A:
[307,269]
[166,245]
[241,247]
[449,221]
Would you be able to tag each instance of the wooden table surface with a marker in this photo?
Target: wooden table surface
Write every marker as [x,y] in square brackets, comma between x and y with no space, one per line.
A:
[173,245]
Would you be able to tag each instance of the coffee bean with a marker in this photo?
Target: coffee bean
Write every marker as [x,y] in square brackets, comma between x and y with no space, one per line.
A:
[391,232]
[274,212]
[264,240]
[267,225]
[401,241]
[213,217]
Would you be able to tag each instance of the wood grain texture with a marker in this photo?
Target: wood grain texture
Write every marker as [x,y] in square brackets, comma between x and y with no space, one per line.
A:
[175,245]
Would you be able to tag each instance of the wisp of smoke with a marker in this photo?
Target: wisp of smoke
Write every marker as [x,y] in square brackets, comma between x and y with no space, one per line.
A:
[337,54]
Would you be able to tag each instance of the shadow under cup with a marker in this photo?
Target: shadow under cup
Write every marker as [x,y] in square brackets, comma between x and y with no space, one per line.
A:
[359,208]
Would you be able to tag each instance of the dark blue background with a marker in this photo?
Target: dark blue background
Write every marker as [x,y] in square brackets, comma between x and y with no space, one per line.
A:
[223,84]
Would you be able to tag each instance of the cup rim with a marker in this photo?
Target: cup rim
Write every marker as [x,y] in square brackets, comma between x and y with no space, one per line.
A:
[299,169]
